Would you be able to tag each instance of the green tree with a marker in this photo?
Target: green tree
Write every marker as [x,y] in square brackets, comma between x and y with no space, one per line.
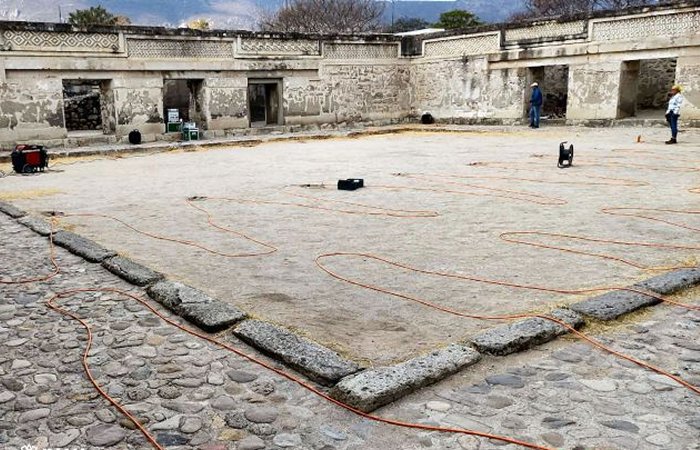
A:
[457,18]
[408,24]
[96,15]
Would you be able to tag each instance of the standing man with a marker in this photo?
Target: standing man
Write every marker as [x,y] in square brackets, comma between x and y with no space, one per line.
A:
[535,105]
[674,112]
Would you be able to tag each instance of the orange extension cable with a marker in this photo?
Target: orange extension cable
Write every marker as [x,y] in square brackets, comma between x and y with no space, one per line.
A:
[151,439]
[190,201]
[604,181]
[56,269]
[367,210]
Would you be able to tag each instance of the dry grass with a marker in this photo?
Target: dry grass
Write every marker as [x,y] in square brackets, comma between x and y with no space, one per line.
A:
[29,194]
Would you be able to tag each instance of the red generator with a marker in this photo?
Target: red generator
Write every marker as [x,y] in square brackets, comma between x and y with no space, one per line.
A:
[29,158]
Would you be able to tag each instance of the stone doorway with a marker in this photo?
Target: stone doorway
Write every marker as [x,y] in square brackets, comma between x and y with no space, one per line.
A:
[554,83]
[264,100]
[184,98]
[656,77]
[86,107]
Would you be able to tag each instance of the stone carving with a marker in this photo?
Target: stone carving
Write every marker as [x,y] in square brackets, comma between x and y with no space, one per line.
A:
[665,25]
[360,51]
[169,49]
[479,44]
[550,29]
[279,47]
[60,41]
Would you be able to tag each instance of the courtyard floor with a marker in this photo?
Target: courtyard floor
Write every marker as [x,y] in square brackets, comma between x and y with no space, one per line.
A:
[457,194]
[460,191]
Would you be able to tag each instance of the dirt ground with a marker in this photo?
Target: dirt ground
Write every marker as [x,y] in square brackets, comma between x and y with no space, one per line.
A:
[481,183]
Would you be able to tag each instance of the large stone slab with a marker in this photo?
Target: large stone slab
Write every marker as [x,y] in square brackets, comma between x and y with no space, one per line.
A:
[525,334]
[611,305]
[36,224]
[672,282]
[11,210]
[195,306]
[90,250]
[373,388]
[131,271]
[315,361]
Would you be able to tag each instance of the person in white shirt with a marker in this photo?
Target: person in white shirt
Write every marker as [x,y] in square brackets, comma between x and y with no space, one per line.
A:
[674,112]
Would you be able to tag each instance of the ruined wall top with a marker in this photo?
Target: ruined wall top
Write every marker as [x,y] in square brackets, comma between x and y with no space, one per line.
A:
[138,42]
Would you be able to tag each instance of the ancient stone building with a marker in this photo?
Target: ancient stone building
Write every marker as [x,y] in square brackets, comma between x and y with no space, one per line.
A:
[54,77]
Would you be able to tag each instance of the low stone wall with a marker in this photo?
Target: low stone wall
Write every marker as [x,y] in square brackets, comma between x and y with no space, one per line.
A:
[476,75]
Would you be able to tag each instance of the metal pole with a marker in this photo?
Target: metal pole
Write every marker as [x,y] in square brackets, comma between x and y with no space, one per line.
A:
[393,4]
[60,16]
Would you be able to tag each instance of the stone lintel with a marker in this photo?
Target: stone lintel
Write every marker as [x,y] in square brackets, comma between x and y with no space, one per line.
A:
[671,282]
[314,360]
[36,224]
[195,306]
[611,305]
[370,389]
[90,250]
[524,334]
[11,210]
[131,271]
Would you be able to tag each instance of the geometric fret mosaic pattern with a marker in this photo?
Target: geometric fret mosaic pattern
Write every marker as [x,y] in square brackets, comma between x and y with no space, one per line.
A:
[168,49]
[332,50]
[299,47]
[641,27]
[61,41]
[550,29]
[463,45]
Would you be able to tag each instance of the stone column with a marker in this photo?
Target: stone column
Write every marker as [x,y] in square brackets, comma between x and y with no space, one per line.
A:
[224,103]
[31,111]
[138,104]
[688,76]
[594,91]
[507,92]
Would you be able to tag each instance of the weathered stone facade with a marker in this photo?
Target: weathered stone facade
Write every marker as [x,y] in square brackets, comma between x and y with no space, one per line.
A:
[601,68]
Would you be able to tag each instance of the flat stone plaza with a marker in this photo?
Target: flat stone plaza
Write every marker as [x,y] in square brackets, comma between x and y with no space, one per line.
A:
[476,220]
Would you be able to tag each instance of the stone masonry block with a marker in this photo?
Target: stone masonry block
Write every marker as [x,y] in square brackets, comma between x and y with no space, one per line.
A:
[11,210]
[81,246]
[611,305]
[315,361]
[131,271]
[373,388]
[195,306]
[524,334]
[36,224]
[672,282]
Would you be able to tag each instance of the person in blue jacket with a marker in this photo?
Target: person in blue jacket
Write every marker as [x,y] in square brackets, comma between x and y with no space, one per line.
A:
[535,105]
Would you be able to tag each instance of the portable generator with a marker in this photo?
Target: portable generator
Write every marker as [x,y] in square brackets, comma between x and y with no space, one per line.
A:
[29,158]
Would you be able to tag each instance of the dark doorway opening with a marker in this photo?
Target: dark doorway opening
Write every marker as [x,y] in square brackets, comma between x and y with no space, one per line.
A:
[264,102]
[182,103]
[554,83]
[83,105]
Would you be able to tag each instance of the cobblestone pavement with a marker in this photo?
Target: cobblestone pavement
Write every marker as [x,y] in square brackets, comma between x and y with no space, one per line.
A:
[193,395]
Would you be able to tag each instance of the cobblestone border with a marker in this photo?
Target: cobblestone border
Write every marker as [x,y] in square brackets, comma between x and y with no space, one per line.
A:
[525,334]
[372,388]
[315,361]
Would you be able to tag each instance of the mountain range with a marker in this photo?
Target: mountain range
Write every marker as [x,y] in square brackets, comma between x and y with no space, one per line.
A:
[236,14]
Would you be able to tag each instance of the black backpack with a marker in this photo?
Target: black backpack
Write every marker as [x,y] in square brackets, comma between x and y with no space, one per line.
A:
[135,137]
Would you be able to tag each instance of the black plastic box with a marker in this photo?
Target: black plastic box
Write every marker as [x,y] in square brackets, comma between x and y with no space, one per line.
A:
[351,184]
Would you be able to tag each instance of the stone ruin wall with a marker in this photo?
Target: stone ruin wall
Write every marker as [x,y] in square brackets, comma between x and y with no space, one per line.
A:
[485,76]
[655,77]
[478,77]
